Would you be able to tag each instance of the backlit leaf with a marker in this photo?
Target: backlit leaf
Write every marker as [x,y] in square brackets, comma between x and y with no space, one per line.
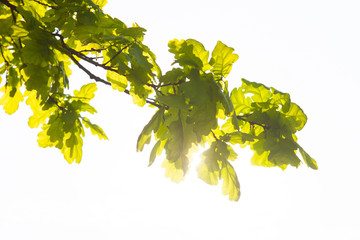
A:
[86,92]
[222,59]
[208,169]
[184,53]
[152,126]
[157,150]
[242,104]
[231,185]
[10,99]
[118,82]
[95,129]
[39,40]
[172,100]
[310,162]
[72,149]
[200,52]
[173,170]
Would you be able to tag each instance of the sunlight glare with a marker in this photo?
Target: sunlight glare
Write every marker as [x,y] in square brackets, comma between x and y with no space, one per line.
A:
[195,160]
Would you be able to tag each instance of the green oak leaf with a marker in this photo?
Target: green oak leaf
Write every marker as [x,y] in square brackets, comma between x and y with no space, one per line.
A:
[11,99]
[310,162]
[222,59]
[172,100]
[242,103]
[38,79]
[140,59]
[208,169]
[152,126]
[118,82]
[156,151]
[95,129]
[86,92]
[180,140]
[196,90]
[173,76]
[174,170]
[184,54]
[72,149]
[231,185]
[260,93]
[81,106]
[200,52]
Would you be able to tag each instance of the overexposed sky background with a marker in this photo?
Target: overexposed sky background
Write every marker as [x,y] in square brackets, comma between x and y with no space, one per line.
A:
[309,49]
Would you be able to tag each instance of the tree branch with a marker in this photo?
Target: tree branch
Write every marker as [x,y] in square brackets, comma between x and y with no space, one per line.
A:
[217,139]
[2,54]
[116,54]
[82,56]
[70,52]
[91,75]
[46,5]
[243,118]
[98,79]
[8,4]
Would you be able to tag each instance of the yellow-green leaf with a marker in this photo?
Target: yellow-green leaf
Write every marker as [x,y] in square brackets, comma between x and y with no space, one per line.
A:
[208,171]
[200,52]
[86,93]
[10,99]
[241,103]
[222,59]
[173,170]
[231,185]
[118,82]
[95,129]
[152,126]
[39,116]
[310,162]
[72,149]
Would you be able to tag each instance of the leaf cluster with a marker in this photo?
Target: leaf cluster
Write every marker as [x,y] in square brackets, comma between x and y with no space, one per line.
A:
[40,39]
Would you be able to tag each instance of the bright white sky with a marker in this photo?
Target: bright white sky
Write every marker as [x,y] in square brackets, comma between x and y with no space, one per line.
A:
[307,48]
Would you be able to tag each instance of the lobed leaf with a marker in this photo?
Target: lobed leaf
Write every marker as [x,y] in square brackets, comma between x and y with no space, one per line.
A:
[118,82]
[86,92]
[11,99]
[152,126]
[222,59]
[95,129]
[231,185]
[310,162]
[208,169]
[174,170]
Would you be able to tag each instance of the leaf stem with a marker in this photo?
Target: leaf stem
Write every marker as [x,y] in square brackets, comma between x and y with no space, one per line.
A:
[243,118]
[216,138]
[46,5]
[82,56]
[116,54]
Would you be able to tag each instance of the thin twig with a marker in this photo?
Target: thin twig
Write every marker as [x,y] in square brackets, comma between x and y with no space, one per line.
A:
[70,52]
[171,84]
[116,54]
[46,5]
[217,139]
[8,4]
[92,50]
[252,123]
[56,103]
[98,79]
[91,75]
[2,54]
[82,56]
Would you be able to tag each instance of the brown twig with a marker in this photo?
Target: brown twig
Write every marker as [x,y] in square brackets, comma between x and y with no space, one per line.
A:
[243,118]
[116,54]
[46,5]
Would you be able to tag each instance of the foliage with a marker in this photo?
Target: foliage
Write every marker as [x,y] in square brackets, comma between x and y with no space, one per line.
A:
[39,39]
